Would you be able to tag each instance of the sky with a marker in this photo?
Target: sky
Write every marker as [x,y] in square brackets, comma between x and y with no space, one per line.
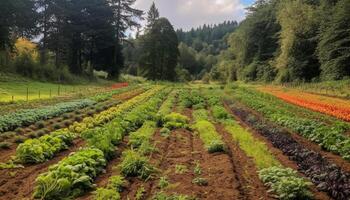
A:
[186,14]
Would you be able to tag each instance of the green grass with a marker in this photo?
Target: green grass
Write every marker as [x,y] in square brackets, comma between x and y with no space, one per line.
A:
[251,146]
[16,89]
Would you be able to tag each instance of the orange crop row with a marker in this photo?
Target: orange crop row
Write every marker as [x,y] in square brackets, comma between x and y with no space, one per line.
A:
[119,85]
[311,102]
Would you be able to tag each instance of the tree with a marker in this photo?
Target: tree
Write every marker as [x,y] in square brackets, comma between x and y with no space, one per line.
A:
[125,17]
[152,15]
[159,51]
[297,59]
[334,45]
[17,18]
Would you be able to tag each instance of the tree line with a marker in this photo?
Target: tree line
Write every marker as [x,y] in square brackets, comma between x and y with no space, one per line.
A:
[289,40]
[79,35]
[196,53]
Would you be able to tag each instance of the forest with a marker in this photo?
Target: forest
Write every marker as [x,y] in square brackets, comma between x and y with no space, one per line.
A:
[279,41]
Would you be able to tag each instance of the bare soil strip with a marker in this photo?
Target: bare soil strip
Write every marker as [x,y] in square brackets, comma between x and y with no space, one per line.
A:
[245,168]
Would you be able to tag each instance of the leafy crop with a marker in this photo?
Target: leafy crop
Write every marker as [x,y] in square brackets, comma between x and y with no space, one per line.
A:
[30,116]
[330,137]
[325,175]
[285,183]
[45,147]
[71,176]
[207,132]
[175,120]
[135,165]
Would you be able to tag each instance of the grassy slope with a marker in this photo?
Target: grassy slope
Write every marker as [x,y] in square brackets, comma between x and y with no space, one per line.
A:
[11,85]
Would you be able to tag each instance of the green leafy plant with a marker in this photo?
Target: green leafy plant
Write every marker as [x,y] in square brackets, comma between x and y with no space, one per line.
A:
[200,181]
[163,182]
[285,183]
[140,193]
[181,169]
[71,176]
[135,165]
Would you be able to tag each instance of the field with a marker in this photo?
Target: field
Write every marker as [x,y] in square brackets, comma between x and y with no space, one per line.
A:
[14,89]
[176,142]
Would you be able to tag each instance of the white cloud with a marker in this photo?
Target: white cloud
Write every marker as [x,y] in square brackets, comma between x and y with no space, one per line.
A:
[193,13]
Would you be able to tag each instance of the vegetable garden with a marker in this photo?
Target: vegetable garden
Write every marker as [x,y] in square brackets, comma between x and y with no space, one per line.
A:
[174,142]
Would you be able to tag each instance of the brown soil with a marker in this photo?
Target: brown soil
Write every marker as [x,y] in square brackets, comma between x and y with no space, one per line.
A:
[245,168]
[183,148]
[18,184]
[278,154]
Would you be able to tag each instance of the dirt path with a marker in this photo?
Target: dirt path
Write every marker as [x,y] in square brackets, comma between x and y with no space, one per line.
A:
[184,149]
[16,184]
[245,168]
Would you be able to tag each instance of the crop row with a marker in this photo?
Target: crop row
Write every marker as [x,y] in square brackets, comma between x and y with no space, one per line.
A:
[206,130]
[30,116]
[45,147]
[331,138]
[75,174]
[326,176]
[284,182]
[309,101]
[134,161]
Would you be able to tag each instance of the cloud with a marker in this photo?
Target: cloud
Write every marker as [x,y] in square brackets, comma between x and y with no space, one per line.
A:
[186,14]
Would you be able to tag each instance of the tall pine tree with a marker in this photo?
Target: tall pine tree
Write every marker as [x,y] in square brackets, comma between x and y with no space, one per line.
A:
[152,15]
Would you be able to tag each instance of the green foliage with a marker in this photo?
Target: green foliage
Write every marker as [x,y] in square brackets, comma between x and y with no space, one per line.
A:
[201,114]
[30,116]
[333,48]
[163,182]
[285,183]
[181,169]
[175,121]
[41,149]
[71,176]
[135,165]
[314,126]
[144,134]
[200,181]
[212,140]
[140,193]
[106,194]
[299,26]
[163,196]
[159,52]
